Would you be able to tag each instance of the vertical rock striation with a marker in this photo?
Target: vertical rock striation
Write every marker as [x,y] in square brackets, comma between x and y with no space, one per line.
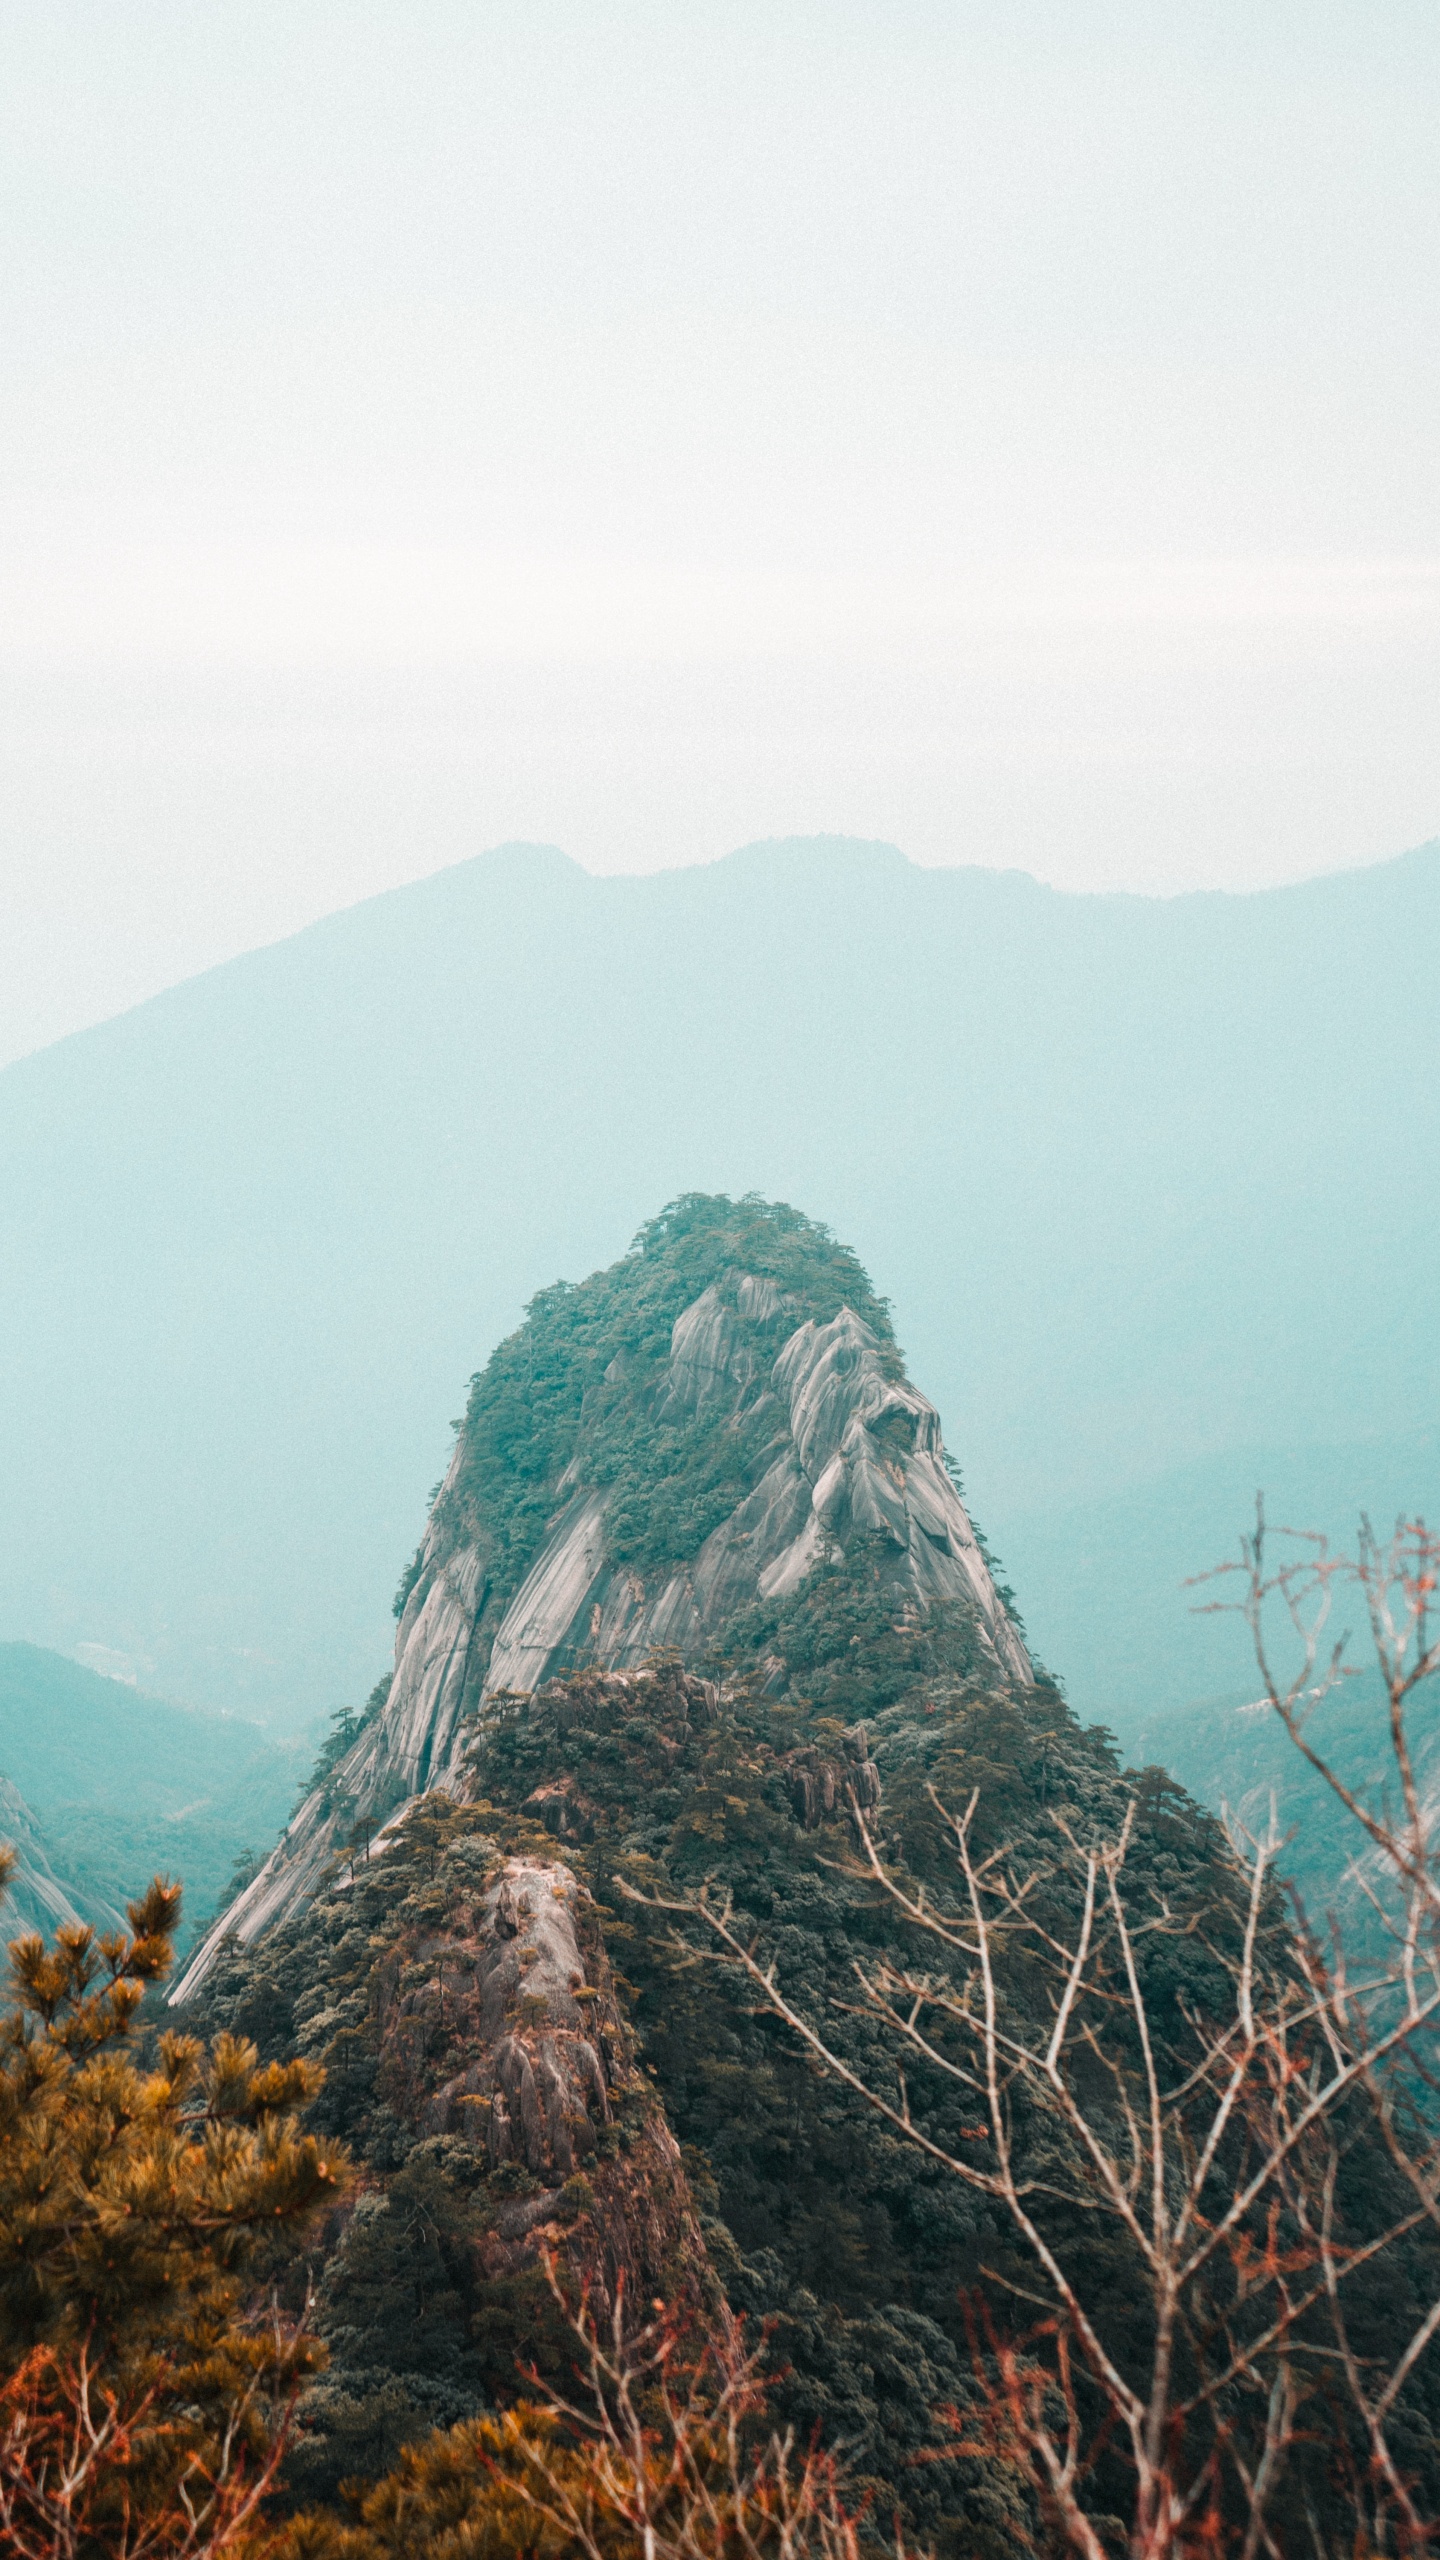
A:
[38,1899]
[501,2028]
[766,1434]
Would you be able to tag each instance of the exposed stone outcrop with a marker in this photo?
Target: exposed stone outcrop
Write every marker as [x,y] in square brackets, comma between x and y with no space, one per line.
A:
[823,1783]
[38,1899]
[519,1992]
[501,2027]
[846,1450]
[854,1453]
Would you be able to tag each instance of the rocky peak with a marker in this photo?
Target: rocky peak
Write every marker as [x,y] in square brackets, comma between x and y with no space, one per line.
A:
[679,1443]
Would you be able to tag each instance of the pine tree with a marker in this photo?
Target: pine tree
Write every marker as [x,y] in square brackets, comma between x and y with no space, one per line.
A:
[662,2453]
[146,2405]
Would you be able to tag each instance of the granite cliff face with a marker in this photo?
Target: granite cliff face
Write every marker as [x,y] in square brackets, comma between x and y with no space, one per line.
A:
[781,1413]
[699,1590]
[37,1898]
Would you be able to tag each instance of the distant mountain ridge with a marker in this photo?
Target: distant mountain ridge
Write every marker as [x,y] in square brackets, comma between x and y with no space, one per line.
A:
[1153,1182]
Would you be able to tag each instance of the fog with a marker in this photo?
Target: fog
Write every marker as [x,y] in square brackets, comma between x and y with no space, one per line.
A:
[1006,432]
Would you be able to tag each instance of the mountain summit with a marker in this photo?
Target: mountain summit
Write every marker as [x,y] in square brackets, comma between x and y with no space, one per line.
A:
[709,1444]
[256,1230]
[698,1590]
[699,1611]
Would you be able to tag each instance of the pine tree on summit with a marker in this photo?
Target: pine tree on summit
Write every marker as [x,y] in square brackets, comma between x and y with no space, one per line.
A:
[145,2410]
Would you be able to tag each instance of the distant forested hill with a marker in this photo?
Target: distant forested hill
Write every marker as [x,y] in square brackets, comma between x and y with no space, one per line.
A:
[122,1786]
[1105,1580]
[1154,1183]
[1234,1755]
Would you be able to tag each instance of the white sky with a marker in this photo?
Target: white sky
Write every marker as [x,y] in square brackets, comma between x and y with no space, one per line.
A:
[1009,430]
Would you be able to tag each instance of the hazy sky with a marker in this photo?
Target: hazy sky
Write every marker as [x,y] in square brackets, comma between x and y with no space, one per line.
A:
[1008,429]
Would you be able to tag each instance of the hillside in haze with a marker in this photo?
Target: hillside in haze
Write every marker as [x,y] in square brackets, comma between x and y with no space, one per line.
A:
[1150,1181]
[112,1787]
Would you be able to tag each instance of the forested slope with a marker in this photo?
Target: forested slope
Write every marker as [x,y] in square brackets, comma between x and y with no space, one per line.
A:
[123,1785]
[740,1760]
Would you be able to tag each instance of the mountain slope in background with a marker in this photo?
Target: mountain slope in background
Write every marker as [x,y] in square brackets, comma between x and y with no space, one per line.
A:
[1152,1181]
[117,1787]
[37,1898]
[1234,1754]
[1110,1575]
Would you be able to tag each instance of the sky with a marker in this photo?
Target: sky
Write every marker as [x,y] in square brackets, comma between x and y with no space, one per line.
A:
[1005,430]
